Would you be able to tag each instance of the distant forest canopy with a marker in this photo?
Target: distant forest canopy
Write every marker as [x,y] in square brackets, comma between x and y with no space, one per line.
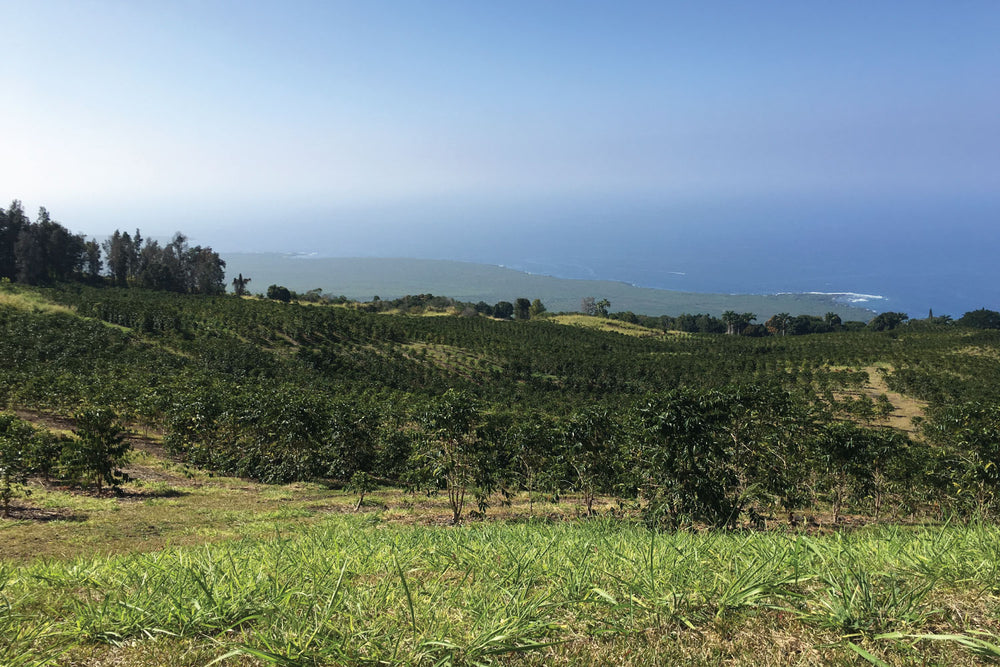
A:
[44,252]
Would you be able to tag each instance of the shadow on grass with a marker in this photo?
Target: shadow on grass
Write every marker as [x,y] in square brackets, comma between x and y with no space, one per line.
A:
[149,493]
[42,515]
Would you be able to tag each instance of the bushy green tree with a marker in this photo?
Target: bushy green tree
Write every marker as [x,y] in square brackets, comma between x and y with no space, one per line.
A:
[844,454]
[503,310]
[522,308]
[45,451]
[277,434]
[980,319]
[451,446]
[352,433]
[536,308]
[15,445]
[533,440]
[969,434]
[99,449]
[361,483]
[590,451]
[279,293]
[887,321]
[92,263]
[713,456]
[12,222]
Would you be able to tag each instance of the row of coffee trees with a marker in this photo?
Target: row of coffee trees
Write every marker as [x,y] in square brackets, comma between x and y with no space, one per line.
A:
[721,457]
[707,430]
[739,455]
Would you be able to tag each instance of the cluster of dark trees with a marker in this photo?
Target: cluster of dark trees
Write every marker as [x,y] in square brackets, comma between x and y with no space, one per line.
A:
[730,322]
[415,304]
[44,252]
[411,304]
[174,267]
[722,457]
[742,324]
[282,293]
[976,319]
[784,324]
[521,309]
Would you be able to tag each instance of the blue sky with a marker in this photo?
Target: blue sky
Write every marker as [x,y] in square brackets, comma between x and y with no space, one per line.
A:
[214,116]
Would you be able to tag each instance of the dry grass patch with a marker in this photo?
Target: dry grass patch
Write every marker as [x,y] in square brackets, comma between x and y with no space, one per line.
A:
[905,408]
[978,351]
[614,326]
[450,358]
[31,302]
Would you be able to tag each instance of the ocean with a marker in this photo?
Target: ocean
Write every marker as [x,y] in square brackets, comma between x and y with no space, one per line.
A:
[937,254]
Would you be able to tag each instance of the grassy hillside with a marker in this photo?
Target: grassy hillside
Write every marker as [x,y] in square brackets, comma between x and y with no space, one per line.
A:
[630,496]
[363,278]
[284,392]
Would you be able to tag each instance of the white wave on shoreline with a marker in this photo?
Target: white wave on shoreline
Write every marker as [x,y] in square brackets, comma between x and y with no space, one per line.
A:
[845,297]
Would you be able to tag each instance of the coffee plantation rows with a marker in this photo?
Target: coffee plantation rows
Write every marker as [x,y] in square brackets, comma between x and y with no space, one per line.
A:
[682,428]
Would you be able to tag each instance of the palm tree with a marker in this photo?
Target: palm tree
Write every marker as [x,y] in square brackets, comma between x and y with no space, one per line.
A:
[778,324]
[737,322]
[730,318]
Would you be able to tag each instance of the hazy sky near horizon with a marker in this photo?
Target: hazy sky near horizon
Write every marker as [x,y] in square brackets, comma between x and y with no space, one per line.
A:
[189,114]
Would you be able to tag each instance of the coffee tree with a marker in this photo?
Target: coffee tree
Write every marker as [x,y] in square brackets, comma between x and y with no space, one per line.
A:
[451,447]
[590,452]
[99,449]
[15,444]
[971,434]
[713,456]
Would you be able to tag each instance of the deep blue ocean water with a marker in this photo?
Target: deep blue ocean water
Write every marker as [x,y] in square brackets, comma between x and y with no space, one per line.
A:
[907,256]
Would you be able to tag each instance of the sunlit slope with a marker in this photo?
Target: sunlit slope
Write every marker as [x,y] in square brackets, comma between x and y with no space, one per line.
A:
[363,278]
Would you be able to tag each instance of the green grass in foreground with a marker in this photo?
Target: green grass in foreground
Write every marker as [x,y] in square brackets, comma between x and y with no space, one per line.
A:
[354,589]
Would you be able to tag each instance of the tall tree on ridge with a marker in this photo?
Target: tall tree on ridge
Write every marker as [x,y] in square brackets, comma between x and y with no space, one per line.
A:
[12,222]
[240,285]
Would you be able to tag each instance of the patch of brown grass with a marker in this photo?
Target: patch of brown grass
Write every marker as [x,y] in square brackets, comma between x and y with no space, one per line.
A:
[614,326]
[905,408]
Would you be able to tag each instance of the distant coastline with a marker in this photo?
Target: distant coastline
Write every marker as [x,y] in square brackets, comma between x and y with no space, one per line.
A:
[362,278]
[838,297]
[844,297]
